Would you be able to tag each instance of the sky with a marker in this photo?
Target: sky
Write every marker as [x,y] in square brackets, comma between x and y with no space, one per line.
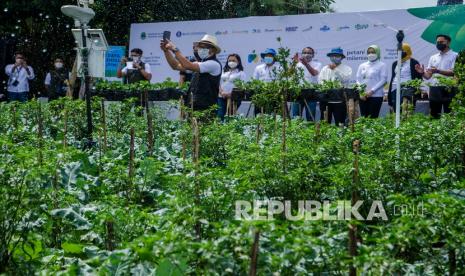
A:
[375,5]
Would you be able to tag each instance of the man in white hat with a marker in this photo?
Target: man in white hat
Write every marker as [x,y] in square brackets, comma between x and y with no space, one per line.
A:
[205,83]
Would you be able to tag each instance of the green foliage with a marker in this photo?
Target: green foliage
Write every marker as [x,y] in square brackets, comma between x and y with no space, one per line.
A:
[138,86]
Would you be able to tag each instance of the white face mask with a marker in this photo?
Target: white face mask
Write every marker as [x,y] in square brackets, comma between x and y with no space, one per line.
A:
[58,65]
[232,64]
[372,57]
[136,58]
[203,53]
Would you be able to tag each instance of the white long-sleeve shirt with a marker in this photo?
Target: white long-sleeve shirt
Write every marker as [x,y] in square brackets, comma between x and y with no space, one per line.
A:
[265,73]
[307,75]
[341,73]
[20,74]
[374,75]
[228,78]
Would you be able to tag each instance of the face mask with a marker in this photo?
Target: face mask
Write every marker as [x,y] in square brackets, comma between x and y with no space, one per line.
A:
[372,57]
[268,60]
[232,64]
[58,65]
[441,46]
[188,72]
[203,53]
[336,60]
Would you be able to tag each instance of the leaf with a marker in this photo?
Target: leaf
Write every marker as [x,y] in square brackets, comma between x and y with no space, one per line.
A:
[171,268]
[72,248]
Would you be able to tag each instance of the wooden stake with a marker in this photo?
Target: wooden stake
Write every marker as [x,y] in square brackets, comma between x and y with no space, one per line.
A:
[254,254]
[354,199]
[110,235]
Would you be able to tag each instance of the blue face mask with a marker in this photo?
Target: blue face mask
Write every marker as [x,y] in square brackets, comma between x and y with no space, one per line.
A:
[268,60]
[336,60]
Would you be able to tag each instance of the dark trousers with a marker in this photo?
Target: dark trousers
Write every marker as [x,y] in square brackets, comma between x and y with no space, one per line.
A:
[371,107]
[436,108]
[338,111]
[17,96]
[222,106]
[392,100]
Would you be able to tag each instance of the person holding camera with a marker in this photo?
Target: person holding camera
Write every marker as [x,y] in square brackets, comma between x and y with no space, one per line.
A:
[19,74]
[132,69]
[204,87]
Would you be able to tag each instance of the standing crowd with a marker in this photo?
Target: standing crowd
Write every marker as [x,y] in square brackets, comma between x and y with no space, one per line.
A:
[212,83]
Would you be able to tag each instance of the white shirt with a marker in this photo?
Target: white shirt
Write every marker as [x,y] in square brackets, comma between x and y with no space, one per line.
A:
[307,75]
[405,73]
[210,66]
[442,61]
[265,73]
[341,73]
[228,78]
[374,75]
[147,69]
[21,75]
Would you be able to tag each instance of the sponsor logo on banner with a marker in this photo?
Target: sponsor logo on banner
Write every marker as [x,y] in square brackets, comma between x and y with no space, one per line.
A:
[272,30]
[240,32]
[380,25]
[307,29]
[361,26]
[343,28]
[325,28]
[143,35]
[256,31]
[179,34]
[253,57]
[221,33]
[291,29]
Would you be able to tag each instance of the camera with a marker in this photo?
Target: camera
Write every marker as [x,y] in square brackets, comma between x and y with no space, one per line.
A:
[14,82]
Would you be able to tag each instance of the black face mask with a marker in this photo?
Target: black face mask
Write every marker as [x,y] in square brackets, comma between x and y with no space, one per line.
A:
[441,46]
[404,54]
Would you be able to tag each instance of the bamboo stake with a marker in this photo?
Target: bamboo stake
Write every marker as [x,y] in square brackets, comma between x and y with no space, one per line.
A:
[354,199]
[254,254]
[195,160]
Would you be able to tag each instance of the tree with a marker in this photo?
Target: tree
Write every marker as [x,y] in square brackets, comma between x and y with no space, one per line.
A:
[449,2]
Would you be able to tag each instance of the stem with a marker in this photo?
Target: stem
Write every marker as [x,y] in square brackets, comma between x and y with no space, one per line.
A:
[150,133]
[195,160]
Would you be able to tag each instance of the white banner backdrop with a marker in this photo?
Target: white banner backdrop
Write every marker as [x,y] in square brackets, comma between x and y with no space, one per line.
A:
[249,36]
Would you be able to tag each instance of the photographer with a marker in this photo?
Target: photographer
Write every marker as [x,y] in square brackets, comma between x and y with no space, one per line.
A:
[204,87]
[19,74]
[133,69]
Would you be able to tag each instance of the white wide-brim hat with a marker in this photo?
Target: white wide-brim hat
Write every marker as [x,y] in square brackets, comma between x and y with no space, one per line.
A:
[210,40]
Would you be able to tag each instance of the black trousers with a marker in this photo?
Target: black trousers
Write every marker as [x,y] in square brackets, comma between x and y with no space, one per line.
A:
[371,106]
[338,111]
[436,108]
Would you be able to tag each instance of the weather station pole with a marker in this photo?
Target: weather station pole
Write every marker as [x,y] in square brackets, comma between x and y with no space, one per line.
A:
[82,16]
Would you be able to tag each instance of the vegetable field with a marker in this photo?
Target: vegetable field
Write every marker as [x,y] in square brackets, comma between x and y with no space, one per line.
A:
[158,197]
